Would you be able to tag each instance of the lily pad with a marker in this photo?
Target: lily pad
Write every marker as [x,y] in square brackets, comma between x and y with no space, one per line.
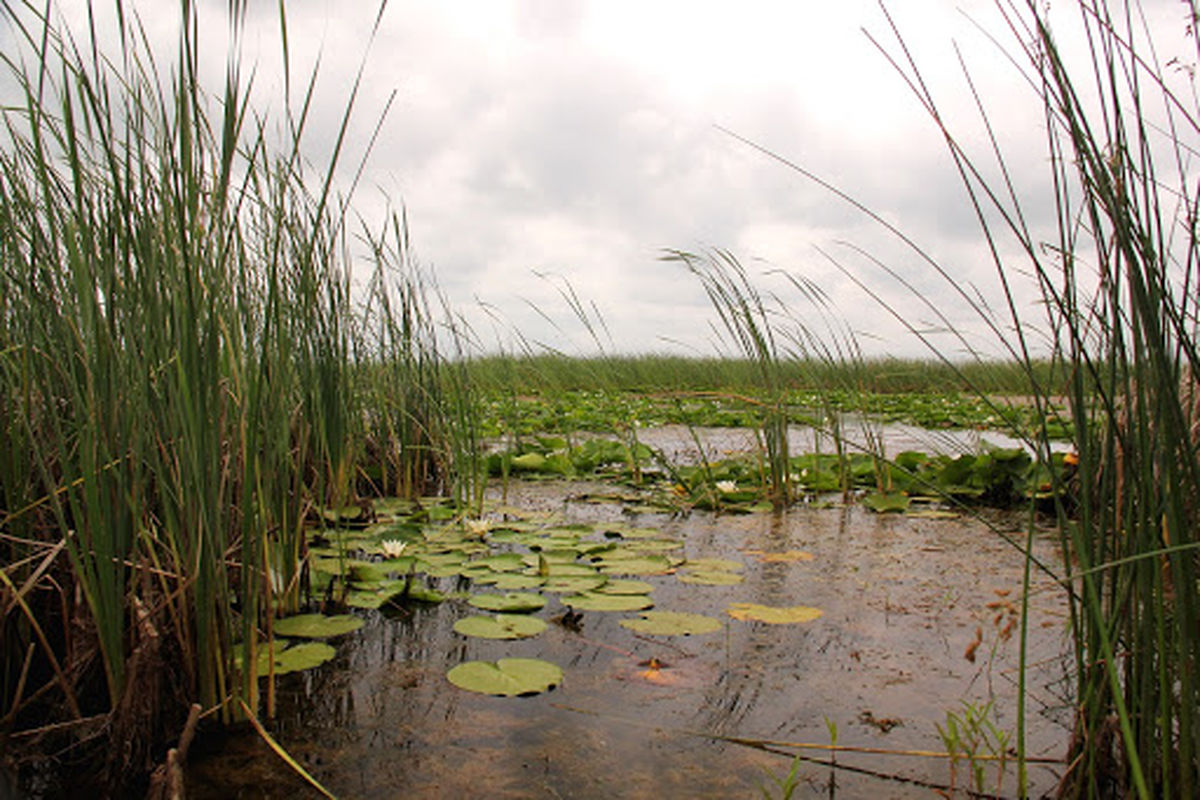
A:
[672,623]
[573,584]
[500,626]
[589,601]
[772,614]
[511,602]
[317,626]
[508,677]
[508,581]
[626,586]
[648,565]
[710,578]
[884,502]
[296,658]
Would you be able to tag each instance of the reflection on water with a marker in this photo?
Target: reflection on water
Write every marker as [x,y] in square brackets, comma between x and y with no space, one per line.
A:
[902,599]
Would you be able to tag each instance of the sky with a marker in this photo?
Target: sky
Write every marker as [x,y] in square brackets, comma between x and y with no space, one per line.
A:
[546,147]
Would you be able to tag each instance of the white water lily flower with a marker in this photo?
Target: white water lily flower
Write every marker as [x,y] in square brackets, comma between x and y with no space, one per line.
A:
[393,548]
[478,527]
[726,487]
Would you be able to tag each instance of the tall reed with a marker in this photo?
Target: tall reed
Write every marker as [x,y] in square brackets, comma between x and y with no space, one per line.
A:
[186,374]
[1118,285]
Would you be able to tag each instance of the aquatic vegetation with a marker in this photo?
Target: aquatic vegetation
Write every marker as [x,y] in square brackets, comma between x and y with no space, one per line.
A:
[500,626]
[672,623]
[317,626]
[774,615]
[508,677]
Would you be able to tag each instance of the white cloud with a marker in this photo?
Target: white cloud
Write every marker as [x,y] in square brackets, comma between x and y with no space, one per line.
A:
[578,138]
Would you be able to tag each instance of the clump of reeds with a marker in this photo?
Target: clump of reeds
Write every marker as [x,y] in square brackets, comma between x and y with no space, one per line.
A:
[1119,287]
[185,379]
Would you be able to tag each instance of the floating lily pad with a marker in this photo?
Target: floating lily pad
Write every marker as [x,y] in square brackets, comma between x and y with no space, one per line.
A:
[626,586]
[421,594]
[772,614]
[508,677]
[501,562]
[884,502]
[672,623]
[573,584]
[512,602]
[570,570]
[500,626]
[317,626]
[710,578]
[654,545]
[375,596]
[648,565]
[607,602]
[509,581]
[296,658]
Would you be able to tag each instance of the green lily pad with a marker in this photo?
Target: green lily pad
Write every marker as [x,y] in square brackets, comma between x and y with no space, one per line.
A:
[508,677]
[374,596]
[710,578]
[885,502]
[607,602]
[626,586]
[296,658]
[654,545]
[508,581]
[317,626]
[500,626]
[577,584]
[772,614]
[649,565]
[511,602]
[672,623]
[501,562]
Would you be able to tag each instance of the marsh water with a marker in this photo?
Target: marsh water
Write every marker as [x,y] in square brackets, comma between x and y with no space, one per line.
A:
[918,620]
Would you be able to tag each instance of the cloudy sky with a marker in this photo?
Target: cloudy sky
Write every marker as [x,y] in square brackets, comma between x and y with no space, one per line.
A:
[544,144]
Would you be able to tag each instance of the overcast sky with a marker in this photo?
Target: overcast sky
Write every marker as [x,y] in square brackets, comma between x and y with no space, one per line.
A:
[579,139]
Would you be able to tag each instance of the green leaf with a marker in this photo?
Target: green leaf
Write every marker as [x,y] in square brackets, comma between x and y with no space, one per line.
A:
[607,602]
[626,586]
[508,677]
[648,565]
[772,614]
[512,602]
[317,626]
[885,502]
[710,578]
[573,584]
[296,658]
[509,581]
[672,623]
[500,626]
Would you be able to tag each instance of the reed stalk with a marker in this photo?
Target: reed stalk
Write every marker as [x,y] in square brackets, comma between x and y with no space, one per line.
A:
[186,376]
